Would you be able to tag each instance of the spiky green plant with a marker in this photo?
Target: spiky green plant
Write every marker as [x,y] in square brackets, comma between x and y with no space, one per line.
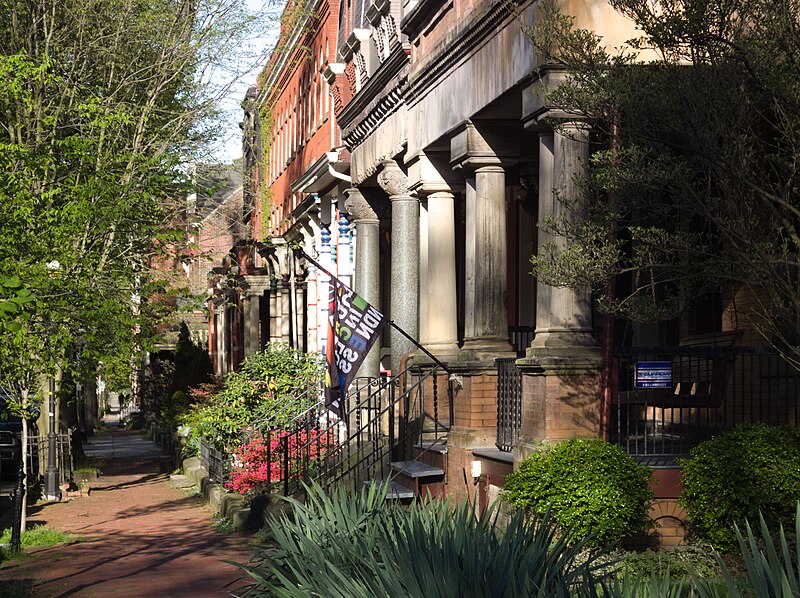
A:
[352,545]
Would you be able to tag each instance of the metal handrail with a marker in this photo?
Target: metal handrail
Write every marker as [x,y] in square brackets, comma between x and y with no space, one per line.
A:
[378,425]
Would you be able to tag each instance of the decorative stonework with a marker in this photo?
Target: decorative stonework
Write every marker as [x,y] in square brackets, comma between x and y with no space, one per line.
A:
[350,73]
[393,180]
[360,68]
[358,207]
[387,105]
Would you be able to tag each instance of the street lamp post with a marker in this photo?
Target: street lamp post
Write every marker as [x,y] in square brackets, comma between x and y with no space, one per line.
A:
[51,473]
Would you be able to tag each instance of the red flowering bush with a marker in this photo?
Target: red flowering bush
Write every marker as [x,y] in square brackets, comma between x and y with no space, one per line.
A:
[260,462]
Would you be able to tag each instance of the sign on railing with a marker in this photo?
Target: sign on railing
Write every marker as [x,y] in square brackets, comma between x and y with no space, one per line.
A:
[653,374]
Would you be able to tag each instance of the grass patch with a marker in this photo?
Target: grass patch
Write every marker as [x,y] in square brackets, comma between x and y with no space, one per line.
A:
[16,588]
[38,535]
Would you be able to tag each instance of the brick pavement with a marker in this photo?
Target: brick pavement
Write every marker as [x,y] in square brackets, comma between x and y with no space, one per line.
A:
[141,537]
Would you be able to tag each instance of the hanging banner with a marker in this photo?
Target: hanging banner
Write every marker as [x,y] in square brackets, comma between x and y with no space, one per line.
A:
[353,327]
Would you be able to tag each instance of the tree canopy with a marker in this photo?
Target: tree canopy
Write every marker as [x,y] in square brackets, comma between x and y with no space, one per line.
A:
[693,187]
[103,104]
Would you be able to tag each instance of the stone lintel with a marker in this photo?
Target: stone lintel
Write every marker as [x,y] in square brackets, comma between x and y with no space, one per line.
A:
[332,70]
[353,43]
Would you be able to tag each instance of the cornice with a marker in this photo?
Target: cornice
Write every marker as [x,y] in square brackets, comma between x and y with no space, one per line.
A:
[442,64]
[297,33]
[380,97]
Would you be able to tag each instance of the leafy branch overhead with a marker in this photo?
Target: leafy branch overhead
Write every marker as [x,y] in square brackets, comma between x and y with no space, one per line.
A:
[692,185]
[16,304]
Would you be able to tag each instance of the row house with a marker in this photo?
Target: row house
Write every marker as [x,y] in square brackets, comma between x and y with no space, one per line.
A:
[404,144]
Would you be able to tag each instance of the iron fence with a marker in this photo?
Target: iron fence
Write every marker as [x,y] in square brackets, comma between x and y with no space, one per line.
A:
[521,338]
[711,389]
[509,403]
[39,447]
[214,461]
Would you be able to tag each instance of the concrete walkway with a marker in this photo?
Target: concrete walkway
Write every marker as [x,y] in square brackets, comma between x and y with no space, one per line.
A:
[140,537]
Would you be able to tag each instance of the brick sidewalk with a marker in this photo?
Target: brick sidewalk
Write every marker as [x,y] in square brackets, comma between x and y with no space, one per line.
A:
[141,537]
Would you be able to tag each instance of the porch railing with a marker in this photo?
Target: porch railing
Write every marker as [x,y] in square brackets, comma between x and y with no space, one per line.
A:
[384,419]
[509,403]
[712,389]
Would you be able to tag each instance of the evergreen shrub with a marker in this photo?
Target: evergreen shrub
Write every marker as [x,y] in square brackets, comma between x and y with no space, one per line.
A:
[735,476]
[591,487]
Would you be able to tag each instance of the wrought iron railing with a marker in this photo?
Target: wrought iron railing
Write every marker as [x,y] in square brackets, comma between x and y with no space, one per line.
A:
[384,420]
[509,403]
[64,458]
[712,389]
[165,440]
[214,461]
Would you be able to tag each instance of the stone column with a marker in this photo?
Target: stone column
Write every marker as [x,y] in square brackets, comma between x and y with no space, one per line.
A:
[366,280]
[424,277]
[431,177]
[440,286]
[561,369]
[254,290]
[274,304]
[485,313]
[285,310]
[564,315]
[343,266]
[405,259]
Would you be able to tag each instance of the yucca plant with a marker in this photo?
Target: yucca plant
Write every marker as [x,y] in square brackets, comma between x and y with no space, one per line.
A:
[771,562]
[354,545]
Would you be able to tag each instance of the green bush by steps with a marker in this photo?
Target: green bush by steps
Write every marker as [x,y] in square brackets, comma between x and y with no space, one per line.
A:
[735,476]
[590,486]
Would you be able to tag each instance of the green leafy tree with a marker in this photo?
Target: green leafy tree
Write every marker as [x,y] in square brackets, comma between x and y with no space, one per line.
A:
[693,187]
[102,105]
[268,391]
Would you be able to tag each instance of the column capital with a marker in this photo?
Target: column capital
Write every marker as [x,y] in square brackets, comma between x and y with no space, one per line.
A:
[477,144]
[358,207]
[394,181]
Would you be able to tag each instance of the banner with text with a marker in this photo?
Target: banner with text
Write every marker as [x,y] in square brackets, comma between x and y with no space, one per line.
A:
[353,327]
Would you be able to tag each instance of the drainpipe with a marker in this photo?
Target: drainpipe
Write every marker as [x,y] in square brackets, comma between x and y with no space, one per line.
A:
[608,321]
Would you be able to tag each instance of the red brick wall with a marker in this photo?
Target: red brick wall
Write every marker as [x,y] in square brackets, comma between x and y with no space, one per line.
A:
[560,407]
[302,117]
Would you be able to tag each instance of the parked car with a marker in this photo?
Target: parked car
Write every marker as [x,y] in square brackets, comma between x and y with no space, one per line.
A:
[11,443]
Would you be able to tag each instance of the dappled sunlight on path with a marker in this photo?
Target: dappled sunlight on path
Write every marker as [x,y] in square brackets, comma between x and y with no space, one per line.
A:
[140,537]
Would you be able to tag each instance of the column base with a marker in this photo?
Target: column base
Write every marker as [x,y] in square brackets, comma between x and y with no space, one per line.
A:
[485,349]
[445,352]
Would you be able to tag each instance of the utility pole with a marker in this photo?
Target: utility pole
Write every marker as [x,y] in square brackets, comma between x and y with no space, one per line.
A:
[51,476]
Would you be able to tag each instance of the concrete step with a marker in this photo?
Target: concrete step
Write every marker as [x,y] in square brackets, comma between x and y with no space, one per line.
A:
[415,469]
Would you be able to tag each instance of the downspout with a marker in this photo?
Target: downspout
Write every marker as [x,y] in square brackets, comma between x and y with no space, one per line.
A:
[607,372]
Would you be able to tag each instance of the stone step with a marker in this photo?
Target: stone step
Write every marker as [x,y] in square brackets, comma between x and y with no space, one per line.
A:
[181,481]
[433,446]
[415,469]
[396,491]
